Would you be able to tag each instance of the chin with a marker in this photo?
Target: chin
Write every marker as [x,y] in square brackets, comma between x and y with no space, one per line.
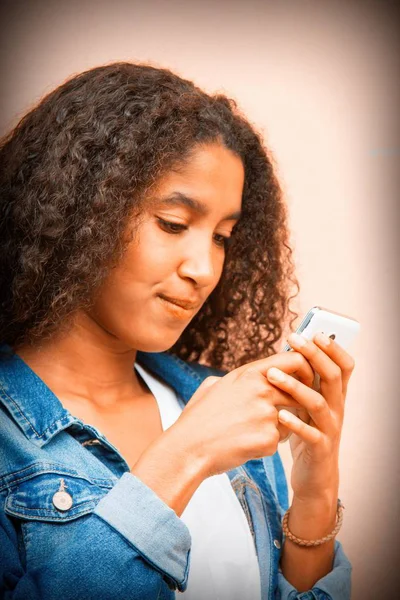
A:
[156,344]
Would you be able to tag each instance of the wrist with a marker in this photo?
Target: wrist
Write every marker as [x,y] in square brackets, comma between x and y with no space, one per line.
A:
[190,450]
[313,518]
[321,487]
[309,547]
[170,470]
[320,496]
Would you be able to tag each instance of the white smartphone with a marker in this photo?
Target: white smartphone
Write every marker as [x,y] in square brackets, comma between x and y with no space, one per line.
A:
[339,327]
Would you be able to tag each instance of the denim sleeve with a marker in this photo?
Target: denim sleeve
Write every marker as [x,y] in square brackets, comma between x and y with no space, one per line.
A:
[132,545]
[336,585]
[150,525]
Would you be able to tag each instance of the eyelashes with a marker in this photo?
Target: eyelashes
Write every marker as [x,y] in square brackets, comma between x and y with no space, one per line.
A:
[176,228]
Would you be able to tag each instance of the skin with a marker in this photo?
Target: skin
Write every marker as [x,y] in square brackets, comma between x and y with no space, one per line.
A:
[228,420]
[315,452]
[90,369]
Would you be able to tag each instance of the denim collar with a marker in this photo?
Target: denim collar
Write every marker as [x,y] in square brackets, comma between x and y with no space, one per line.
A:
[40,414]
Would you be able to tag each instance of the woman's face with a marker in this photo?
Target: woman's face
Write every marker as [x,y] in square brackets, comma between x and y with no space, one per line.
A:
[178,252]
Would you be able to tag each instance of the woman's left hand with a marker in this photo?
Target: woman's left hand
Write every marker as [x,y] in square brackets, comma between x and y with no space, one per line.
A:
[315,445]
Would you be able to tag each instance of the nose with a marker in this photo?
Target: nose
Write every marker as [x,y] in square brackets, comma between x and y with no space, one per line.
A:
[200,264]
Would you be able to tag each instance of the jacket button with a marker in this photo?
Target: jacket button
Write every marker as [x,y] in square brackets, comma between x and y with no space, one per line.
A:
[277,544]
[62,500]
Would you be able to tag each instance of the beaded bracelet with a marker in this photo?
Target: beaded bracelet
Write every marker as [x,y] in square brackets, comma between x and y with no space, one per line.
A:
[326,538]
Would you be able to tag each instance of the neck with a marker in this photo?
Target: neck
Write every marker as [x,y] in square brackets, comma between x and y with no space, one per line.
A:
[87,365]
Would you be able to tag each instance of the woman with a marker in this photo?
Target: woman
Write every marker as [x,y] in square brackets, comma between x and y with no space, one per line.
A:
[145,276]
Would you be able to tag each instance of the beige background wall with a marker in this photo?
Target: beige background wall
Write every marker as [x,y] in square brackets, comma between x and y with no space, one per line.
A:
[318,78]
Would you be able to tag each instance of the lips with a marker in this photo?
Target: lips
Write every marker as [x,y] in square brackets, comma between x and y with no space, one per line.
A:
[182,302]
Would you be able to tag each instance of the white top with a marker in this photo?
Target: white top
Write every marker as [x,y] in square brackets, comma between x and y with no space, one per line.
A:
[223,560]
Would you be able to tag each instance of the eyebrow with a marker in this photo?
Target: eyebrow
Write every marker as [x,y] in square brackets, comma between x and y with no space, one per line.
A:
[180,199]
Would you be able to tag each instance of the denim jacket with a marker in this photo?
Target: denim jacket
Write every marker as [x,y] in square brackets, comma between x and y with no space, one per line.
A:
[114,537]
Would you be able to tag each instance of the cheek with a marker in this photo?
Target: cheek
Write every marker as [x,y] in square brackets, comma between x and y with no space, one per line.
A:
[145,261]
[134,281]
[116,302]
[150,258]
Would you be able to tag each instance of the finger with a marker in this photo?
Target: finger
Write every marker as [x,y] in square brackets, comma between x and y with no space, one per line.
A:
[256,383]
[314,403]
[281,398]
[329,372]
[284,433]
[338,355]
[311,435]
[300,413]
[293,363]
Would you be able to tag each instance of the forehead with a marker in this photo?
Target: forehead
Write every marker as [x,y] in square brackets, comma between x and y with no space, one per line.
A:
[197,206]
[211,172]
[209,158]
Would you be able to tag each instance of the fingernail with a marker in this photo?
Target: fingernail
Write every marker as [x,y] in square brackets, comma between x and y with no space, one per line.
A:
[322,339]
[297,340]
[276,374]
[284,416]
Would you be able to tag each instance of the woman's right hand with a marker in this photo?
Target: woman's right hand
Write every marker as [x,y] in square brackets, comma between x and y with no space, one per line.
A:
[234,418]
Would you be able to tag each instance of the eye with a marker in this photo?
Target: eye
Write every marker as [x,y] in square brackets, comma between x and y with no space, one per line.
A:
[223,240]
[176,228]
[171,227]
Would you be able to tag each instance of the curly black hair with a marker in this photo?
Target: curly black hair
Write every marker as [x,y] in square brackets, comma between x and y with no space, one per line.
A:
[79,165]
